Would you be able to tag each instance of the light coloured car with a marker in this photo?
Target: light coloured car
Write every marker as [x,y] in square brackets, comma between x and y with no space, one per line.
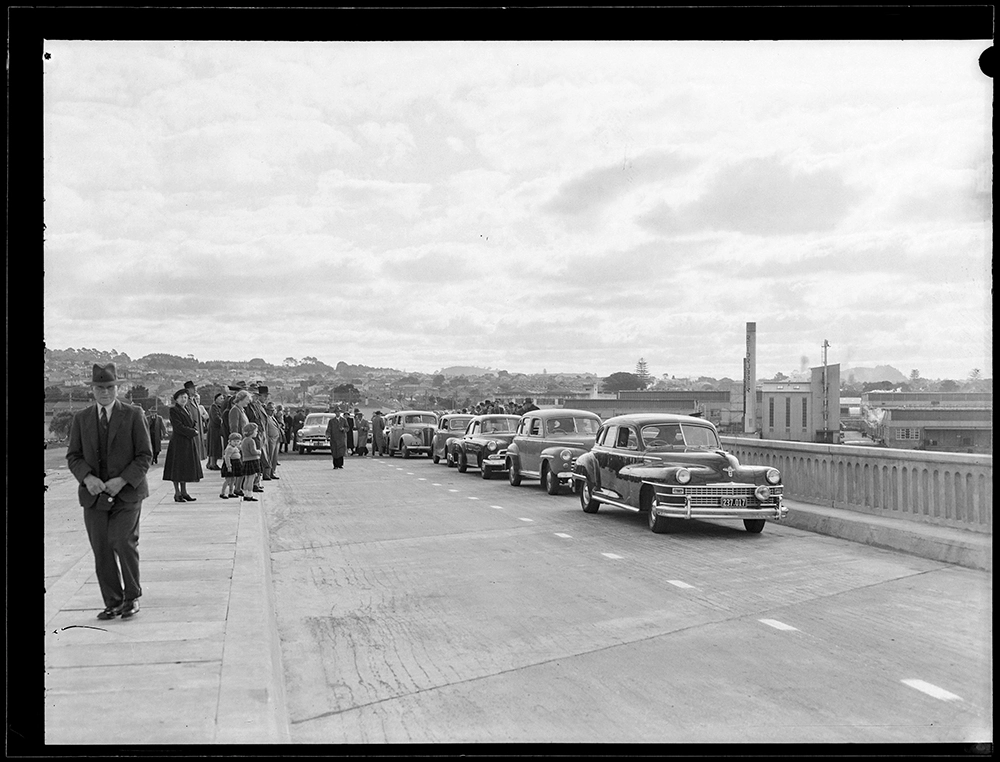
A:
[547,444]
[450,425]
[312,435]
[411,432]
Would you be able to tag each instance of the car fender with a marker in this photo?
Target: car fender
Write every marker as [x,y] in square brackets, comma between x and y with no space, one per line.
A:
[586,465]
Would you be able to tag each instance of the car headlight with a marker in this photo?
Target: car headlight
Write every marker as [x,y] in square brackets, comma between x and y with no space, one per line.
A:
[491,446]
[566,454]
[683,476]
[762,493]
[773,476]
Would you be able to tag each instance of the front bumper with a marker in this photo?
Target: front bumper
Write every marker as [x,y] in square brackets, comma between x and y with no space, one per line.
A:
[496,461]
[689,507]
[315,444]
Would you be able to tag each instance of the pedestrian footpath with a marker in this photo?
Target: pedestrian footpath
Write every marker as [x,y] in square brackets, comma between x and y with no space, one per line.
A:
[200,663]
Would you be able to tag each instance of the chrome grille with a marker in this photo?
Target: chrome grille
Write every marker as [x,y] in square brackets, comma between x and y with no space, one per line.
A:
[710,495]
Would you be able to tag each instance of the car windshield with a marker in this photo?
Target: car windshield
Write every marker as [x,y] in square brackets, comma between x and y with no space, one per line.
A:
[499,425]
[658,436]
[427,418]
[571,425]
[317,420]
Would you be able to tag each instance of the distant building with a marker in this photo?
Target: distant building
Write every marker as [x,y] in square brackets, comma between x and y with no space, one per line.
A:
[798,411]
[944,421]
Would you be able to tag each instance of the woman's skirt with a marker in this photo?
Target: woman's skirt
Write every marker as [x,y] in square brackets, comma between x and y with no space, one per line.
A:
[251,467]
[232,473]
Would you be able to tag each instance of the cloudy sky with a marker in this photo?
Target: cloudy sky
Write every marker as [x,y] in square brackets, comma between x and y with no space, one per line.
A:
[566,206]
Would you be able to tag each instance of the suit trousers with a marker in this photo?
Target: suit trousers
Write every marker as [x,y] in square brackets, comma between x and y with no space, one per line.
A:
[272,455]
[115,534]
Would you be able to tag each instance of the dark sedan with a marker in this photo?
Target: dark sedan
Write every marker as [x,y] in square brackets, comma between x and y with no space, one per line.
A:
[484,444]
[673,467]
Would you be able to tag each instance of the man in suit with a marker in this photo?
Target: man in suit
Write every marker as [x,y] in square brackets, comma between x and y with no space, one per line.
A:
[109,453]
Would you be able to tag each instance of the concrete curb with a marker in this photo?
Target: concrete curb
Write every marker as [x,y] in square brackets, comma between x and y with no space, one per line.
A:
[972,550]
[252,704]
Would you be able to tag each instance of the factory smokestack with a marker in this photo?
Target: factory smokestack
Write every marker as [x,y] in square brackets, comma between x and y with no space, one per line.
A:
[750,381]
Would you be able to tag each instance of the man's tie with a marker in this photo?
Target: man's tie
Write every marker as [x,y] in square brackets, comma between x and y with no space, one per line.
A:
[104,418]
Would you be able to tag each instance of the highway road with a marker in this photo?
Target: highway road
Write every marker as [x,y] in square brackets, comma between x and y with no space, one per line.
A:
[419,605]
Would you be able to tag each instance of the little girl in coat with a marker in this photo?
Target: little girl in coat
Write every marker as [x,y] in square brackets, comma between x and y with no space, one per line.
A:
[250,452]
[232,467]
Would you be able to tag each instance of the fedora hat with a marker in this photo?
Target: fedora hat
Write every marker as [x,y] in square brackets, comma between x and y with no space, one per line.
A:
[105,375]
[189,384]
[262,390]
[238,386]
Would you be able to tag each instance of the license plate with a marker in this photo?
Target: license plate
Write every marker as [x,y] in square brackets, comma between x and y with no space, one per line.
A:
[734,502]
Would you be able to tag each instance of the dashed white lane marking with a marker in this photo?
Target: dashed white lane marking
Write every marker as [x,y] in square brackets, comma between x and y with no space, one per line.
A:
[566,536]
[932,690]
[399,468]
[435,484]
[421,479]
[678,583]
[453,490]
[611,555]
[409,473]
[523,519]
[777,625]
[473,498]
[498,507]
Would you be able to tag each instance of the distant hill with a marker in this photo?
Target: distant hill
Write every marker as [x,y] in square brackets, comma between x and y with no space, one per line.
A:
[869,375]
[465,370]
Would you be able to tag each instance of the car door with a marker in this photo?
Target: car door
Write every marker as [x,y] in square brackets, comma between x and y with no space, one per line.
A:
[531,453]
[626,453]
[602,453]
[471,442]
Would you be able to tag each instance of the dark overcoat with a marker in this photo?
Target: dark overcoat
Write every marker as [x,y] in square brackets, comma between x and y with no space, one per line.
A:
[182,463]
[215,443]
[336,432]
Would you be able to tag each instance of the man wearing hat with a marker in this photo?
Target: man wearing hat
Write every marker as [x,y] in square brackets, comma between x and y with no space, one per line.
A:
[109,453]
[255,414]
[378,433]
[194,410]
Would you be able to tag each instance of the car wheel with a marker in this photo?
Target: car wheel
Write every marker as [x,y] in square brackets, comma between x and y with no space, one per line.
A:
[754,526]
[406,451]
[392,453]
[513,474]
[658,524]
[449,459]
[463,464]
[484,470]
[550,480]
[587,501]
[436,458]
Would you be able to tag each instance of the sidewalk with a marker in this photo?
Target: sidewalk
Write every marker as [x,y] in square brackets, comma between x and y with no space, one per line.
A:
[200,663]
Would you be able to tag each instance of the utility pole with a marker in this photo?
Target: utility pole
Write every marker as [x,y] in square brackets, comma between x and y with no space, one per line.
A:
[826,393]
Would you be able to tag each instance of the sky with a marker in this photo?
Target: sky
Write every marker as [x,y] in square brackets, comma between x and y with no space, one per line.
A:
[525,206]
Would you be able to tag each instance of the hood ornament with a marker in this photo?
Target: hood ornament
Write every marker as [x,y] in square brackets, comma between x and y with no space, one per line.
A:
[730,470]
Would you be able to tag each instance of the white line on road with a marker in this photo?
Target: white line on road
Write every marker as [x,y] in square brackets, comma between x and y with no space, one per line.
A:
[566,536]
[678,583]
[421,479]
[409,473]
[435,484]
[473,498]
[777,625]
[453,490]
[498,507]
[932,690]
[611,555]
[399,468]
[522,519]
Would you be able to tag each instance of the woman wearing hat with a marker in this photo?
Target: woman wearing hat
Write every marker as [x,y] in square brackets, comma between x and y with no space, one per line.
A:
[182,464]
[216,445]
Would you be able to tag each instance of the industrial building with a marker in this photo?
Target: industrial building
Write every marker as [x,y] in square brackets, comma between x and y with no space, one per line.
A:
[944,421]
[803,411]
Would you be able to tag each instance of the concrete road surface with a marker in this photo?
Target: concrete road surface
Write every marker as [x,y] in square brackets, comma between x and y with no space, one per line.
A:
[419,605]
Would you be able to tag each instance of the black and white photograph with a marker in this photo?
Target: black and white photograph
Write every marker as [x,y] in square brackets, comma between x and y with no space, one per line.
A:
[656,367]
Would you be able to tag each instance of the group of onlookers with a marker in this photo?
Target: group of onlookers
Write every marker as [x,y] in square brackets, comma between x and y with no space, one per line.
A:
[499,407]
[239,435]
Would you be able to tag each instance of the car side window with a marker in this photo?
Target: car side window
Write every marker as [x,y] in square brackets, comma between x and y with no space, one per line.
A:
[474,429]
[610,434]
[536,426]
[621,440]
[630,439]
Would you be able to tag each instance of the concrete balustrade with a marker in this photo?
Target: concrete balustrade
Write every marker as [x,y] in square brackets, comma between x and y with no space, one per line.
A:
[946,489]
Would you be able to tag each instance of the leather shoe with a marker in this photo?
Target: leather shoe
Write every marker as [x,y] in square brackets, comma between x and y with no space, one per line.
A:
[110,612]
[258,489]
[265,478]
[130,609]
[275,477]
[250,499]
[189,498]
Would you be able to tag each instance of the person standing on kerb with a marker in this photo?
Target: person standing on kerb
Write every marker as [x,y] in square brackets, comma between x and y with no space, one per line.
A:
[109,453]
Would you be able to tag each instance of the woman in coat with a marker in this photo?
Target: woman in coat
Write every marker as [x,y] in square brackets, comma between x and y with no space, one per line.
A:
[238,412]
[361,427]
[182,464]
[336,432]
[156,432]
[215,443]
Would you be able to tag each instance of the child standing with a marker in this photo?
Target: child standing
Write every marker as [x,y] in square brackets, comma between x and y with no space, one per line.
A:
[250,452]
[232,467]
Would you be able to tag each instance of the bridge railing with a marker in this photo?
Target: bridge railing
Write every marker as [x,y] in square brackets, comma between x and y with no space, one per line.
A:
[946,489]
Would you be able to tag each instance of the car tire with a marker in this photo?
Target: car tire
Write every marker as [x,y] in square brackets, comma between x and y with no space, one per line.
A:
[463,464]
[513,474]
[449,459]
[436,458]
[587,501]
[754,526]
[484,470]
[406,452]
[657,524]
[550,480]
